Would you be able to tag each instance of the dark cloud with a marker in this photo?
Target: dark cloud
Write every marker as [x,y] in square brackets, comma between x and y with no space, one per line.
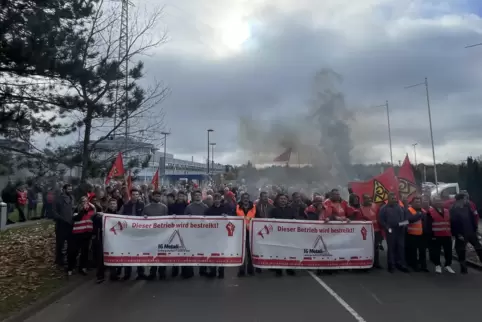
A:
[271,80]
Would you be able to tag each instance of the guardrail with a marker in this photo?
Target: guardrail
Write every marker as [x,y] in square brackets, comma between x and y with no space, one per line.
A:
[3,215]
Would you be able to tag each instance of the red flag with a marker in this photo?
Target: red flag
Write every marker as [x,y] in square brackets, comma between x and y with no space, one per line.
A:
[117,169]
[378,187]
[155,179]
[406,180]
[283,157]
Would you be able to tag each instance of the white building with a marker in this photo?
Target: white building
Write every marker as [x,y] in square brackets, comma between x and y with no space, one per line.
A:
[174,168]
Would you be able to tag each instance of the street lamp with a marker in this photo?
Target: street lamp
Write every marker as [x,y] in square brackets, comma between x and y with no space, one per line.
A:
[425,83]
[389,130]
[209,131]
[476,45]
[212,155]
[415,152]
[165,147]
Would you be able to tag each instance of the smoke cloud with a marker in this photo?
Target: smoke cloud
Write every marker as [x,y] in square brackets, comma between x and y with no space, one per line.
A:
[319,134]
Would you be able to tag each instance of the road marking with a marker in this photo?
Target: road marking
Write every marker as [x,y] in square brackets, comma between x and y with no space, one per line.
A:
[372,294]
[337,297]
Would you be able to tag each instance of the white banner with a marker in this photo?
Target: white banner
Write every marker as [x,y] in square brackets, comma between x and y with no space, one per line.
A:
[296,244]
[173,241]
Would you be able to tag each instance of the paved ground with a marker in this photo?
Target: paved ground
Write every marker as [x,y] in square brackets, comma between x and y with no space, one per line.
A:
[344,297]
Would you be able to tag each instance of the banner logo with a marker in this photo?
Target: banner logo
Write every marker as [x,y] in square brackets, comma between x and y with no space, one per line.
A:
[266,230]
[406,188]
[364,233]
[380,193]
[119,226]
[174,244]
[230,227]
[318,249]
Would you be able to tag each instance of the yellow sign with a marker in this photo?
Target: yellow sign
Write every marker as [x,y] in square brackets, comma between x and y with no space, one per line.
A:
[380,193]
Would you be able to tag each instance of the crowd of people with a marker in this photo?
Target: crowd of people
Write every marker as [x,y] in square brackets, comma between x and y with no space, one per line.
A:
[410,229]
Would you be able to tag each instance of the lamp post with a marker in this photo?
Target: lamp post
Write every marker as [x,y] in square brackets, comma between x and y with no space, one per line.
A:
[425,83]
[415,152]
[389,130]
[209,132]
[165,134]
[212,155]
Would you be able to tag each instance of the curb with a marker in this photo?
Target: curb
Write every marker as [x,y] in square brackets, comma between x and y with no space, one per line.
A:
[40,304]
[470,263]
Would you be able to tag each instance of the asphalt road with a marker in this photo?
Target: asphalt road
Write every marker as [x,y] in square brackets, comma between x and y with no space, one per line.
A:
[343,297]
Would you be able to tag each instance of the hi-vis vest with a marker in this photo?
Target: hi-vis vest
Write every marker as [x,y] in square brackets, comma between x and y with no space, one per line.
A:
[400,203]
[440,223]
[370,213]
[21,198]
[85,225]
[247,217]
[415,228]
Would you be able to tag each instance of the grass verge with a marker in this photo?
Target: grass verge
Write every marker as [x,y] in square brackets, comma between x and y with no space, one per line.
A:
[27,272]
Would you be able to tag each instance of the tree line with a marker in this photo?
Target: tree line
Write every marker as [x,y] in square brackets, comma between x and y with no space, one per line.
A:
[64,70]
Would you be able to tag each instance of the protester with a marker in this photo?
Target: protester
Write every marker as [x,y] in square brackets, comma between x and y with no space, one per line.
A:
[263,205]
[464,228]
[283,211]
[156,208]
[217,209]
[439,235]
[62,214]
[416,240]
[368,212]
[134,207]
[392,216]
[247,210]
[81,236]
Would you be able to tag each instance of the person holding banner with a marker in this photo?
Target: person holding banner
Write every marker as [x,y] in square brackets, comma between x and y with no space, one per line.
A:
[368,212]
[217,209]
[178,208]
[134,207]
[283,211]
[246,208]
[196,208]
[264,205]
[337,208]
[154,209]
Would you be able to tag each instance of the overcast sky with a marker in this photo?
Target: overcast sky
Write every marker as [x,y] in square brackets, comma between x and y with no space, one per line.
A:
[232,59]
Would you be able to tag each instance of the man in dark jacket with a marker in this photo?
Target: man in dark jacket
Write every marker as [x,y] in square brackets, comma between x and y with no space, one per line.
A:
[464,228]
[217,209]
[393,219]
[62,214]
[134,207]
[178,208]
[263,206]
[283,211]
[298,205]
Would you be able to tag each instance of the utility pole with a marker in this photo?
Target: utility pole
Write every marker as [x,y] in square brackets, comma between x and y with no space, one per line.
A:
[165,134]
[415,152]
[212,155]
[389,129]
[209,132]
[425,83]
